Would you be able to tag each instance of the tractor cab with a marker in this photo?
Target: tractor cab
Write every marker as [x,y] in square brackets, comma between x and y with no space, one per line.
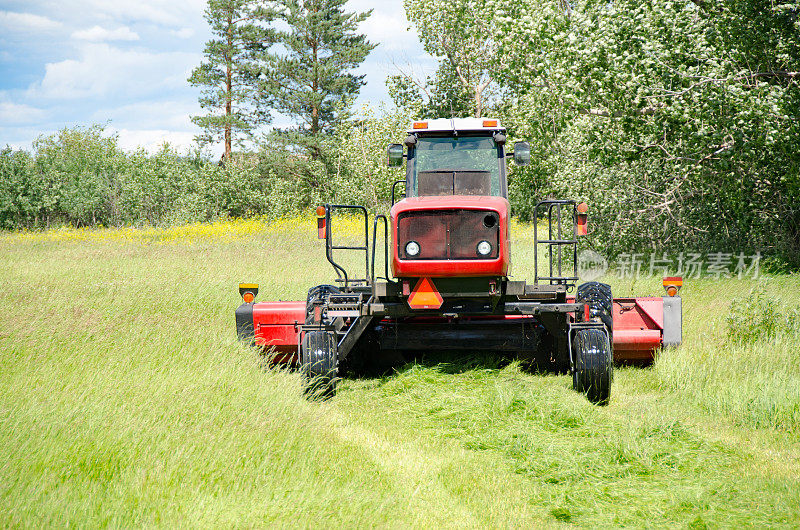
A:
[453,221]
[457,156]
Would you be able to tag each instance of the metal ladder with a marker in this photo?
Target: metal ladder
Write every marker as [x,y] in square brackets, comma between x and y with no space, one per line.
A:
[341,273]
[558,246]
[369,272]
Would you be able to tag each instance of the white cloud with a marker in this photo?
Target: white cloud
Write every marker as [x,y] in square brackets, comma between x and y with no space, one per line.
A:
[99,34]
[27,21]
[107,71]
[398,47]
[152,139]
[389,30]
[78,13]
[172,114]
[164,12]
[14,113]
[183,33]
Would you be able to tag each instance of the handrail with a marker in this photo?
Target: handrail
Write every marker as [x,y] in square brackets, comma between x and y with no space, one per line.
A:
[340,271]
[328,250]
[394,186]
[385,247]
[554,240]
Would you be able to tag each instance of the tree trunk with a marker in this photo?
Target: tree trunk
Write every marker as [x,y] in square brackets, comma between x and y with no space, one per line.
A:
[228,90]
[315,105]
[228,115]
[479,88]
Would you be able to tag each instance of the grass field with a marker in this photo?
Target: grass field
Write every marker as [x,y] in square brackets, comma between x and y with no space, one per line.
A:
[127,401]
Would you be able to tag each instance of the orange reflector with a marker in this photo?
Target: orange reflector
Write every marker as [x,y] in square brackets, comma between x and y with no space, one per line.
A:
[420,125]
[581,226]
[248,297]
[673,284]
[490,123]
[425,296]
[320,211]
[583,207]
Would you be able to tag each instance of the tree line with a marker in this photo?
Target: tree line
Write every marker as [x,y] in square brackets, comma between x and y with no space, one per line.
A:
[678,122]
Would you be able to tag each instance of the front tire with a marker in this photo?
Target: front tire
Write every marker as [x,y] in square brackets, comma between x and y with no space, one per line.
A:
[593,368]
[319,364]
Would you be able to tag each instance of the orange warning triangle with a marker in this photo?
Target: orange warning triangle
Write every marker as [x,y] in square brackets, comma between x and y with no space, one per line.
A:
[425,296]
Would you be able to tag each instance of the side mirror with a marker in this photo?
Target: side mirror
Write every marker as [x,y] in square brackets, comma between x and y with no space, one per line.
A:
[522,153]
[394,155]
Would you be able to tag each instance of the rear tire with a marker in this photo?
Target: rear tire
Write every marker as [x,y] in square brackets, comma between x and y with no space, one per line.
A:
[593,369]
[601,304]
[319,364]
[315,295]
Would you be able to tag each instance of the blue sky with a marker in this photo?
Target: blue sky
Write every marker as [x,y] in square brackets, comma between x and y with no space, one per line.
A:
[125,62]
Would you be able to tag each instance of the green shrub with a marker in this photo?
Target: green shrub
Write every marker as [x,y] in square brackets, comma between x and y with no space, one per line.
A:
[759,316]
[81,177]
[22,195]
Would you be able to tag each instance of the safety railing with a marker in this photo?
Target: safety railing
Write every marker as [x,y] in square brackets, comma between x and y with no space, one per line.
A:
[385,276]
[558,242]
[341,272]
[394,188]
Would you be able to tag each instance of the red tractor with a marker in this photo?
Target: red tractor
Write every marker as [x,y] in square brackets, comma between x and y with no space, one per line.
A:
[450,287]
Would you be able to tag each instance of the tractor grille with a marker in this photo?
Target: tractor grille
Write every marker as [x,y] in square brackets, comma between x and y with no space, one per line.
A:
[448,234]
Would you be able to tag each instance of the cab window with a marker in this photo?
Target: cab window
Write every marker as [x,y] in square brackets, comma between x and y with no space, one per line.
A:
[467,165]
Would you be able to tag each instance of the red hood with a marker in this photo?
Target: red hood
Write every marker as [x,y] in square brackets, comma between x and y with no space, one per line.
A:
[451,202]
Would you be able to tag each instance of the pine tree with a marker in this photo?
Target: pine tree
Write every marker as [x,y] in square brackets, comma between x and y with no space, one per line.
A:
[312,81]
[230,73]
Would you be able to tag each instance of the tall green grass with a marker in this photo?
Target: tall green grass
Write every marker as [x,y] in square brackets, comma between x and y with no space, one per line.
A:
[743,360]
[127,401]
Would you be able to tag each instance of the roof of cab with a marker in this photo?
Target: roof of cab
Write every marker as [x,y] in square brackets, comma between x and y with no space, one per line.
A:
[455,124]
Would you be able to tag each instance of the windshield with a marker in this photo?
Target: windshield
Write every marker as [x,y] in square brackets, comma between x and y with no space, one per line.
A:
[468,165]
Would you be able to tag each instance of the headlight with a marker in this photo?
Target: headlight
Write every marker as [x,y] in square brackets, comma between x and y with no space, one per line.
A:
[412,248]
[484,248]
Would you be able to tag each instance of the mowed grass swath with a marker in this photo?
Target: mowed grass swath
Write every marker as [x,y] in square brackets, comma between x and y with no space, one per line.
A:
[127,400]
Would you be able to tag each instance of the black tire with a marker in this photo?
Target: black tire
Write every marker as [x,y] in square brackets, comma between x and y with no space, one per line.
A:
[319,364]
[601,304]
[315,294]
[593,369]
